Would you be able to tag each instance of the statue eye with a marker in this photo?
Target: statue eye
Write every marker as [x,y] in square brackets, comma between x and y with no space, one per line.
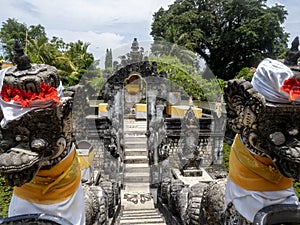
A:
[20,137]
[52,81]
[30,87]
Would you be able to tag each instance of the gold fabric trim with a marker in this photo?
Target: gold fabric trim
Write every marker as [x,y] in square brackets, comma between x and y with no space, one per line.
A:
[254,172]
[268,172]
[54,185]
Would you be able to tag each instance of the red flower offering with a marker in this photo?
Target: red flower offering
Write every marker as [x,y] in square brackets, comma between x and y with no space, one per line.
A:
[26,98]
[292,87]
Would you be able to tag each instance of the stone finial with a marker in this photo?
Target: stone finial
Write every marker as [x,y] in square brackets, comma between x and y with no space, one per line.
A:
[21,59]
[293,54]
[295,44]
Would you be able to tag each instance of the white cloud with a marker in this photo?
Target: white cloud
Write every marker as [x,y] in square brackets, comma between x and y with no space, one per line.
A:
[292,22]
[82,14]
[98,42]
[105,23]
[102,23]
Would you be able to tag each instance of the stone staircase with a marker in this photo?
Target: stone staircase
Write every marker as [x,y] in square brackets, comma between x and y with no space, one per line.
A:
[141,216]
[137,203]
[136,160]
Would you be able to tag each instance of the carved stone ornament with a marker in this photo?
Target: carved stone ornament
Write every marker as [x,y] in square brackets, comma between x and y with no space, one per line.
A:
[293,54]
[136,197]
[267,129]
[190,155]
[36,126]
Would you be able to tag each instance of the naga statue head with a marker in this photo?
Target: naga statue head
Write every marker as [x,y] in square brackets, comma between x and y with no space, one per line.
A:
[36,127]
[266,114]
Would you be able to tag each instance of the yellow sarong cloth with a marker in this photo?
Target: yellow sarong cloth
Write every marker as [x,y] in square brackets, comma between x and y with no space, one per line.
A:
[254,173]
[54,185]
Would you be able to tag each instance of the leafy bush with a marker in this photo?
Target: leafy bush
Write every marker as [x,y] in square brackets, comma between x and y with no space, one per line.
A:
[5,196]
[190,79]
[246,73]
[226,153]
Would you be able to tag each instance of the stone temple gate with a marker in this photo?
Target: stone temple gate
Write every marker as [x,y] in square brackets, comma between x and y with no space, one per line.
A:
[143,142]
[151,131]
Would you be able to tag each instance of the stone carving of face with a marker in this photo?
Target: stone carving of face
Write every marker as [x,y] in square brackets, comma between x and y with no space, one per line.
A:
[266,128]
[40,137]
[279,137]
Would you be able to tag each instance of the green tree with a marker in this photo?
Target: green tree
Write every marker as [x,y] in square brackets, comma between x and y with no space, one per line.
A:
[189,78]
[93,79]
[5,196]
[59,44]
[74,62]
[79,55]
[71,59]
[13,30]
[108,59]
[227,34]
[41,51]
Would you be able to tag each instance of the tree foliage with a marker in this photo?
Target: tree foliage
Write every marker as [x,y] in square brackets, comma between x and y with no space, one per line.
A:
[71,59]
[189,78]
[228,34]
[13,30]
[108,59]
[5,196]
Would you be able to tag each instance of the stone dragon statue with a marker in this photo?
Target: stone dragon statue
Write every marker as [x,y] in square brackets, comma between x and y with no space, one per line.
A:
[264,158]
[265,155]
[37,145]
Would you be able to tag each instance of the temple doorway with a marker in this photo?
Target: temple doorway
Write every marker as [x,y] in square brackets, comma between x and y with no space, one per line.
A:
[135,101]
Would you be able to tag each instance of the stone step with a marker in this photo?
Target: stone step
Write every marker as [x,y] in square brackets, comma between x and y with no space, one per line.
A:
[136,178]
[139,212]
[135,137]
[135,132]
[136,152]
[135,141]
[137,168]
[142,221]
[129,126]
[130,213]
[141,187]
[131,145]
[145,216]
[139,130]
[135,123]
[136,159]
[152,223]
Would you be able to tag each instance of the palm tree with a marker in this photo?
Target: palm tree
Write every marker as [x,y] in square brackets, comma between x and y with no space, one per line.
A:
[40,51]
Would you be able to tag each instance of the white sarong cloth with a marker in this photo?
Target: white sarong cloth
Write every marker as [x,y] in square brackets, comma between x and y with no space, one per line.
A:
[248,203]
[12,110]
[71,209]
[269,77]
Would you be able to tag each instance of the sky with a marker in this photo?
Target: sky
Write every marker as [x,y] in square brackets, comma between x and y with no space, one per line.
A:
[102,23]
[106,23]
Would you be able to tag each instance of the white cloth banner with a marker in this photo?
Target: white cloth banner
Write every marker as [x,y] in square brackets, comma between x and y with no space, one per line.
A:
[269,77]
[248,203]
[12,110]
[71,209]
